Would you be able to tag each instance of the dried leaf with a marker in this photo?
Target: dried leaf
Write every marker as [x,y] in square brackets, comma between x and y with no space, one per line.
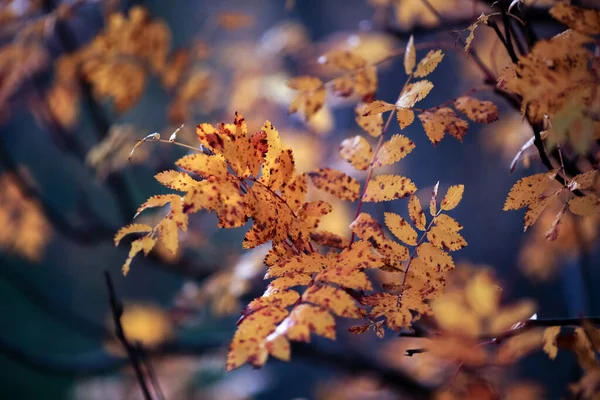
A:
[527,190]
[311,97]
[550,346]
[585,206]
[131,228]
[579,19]
[442,120]
[405,117]
[413,93]
[372,124]
[333,299]
[410,56]
[400,228]
[452,198]
[415,212]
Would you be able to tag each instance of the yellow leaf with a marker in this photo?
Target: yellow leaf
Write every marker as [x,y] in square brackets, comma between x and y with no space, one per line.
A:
[204,165]
[585,206]
[454,317]
[429,63]
[527,190]
[517,347]
[442,120]
[453,197]
[376,107]
[294,191]
[278,346]
[435,257]
[131,228]
[483,294]
[415,212]
[550,346]
[357,152]
[329,239]
[343,59]
[394,150]
[304,264]
[535,209]
[405,117]
[388,187]
[366,227]
[414,92]
[365,82]
[348,278]
[145,244]
[158,201]
[311,97]
[410,56]
[333,299]
[583,181]
[273,298]
[400,228]
[288,281]
[176,180]
[445,239]
[372,124]
[479,111]
[579,19]
[448,223]
[306,319]
[358,256]
[386,305]
[506,317]
[247,343]
[279,171]
[336,183]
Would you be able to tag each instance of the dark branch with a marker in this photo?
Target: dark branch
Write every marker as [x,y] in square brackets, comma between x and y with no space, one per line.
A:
[117,312]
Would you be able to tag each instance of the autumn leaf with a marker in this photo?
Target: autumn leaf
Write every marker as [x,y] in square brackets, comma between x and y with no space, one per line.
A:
[452,198]
[131,228]
[400,228]
[371,123]
[413,93]
[388,187]
[429,63]
[357,152]
[579,19]
[527,190]
[405,117]
[585,206]
[376,107]
[550,346]
[441,121]
[393,150]
[334,299]
[311,97]
[336,183]
[415,212]
[477,110]
[410,56]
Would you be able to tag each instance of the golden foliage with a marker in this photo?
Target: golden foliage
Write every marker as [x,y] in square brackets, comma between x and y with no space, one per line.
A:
[25,231]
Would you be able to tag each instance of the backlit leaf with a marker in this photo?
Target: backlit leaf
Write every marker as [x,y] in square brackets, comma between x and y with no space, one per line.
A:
[333,299]
[585,206]
[145,244]
[579,19]
[393,150]
[413,93]
[429,63]
[336,183]
[410,56]
[306,319]
[357,152]
[405,117]
[388,187]
[372,124]
[441,121]
[310,98]
[453,197]
[131,228]
[550,346]
[479,111]
[415,212]
[400,228]
[527,190]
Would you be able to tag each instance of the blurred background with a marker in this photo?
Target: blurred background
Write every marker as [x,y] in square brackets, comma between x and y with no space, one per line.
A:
[81,81]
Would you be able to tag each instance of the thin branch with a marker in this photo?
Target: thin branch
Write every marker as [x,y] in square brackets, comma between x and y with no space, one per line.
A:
[117,312]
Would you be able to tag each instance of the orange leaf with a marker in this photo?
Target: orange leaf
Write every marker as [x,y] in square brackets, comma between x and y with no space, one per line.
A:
[388,187]
[336,183]
[394,150]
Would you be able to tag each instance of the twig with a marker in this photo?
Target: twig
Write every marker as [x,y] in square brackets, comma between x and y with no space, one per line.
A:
[151,372]
[117,313]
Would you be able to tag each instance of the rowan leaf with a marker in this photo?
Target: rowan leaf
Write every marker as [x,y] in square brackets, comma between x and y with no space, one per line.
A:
[577,18]
[435,257]
[455,317]
[294,191]
[145,244]
[441,121]
[413,93]
[535,209]
[204,165]
[157,201]
[452,198]
[479,111]
[405,117]
[583,181]
[386,305]
[306,319]
[372,123]
[550,345]
[376,107]
[333,299]
[585,206]
[527,190]
[247,343]
[289,281]
[388,187]
[400,228]
[176,180]
[329,239]
[348,278]
[433,200]
[483,294]
[343,59]
[429,63]
[410,56]
[301,264]
[393,150]
[415,212]
[131,228]
[445,236]
[357,152]
[310,98]
[507,317]
[336,183]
